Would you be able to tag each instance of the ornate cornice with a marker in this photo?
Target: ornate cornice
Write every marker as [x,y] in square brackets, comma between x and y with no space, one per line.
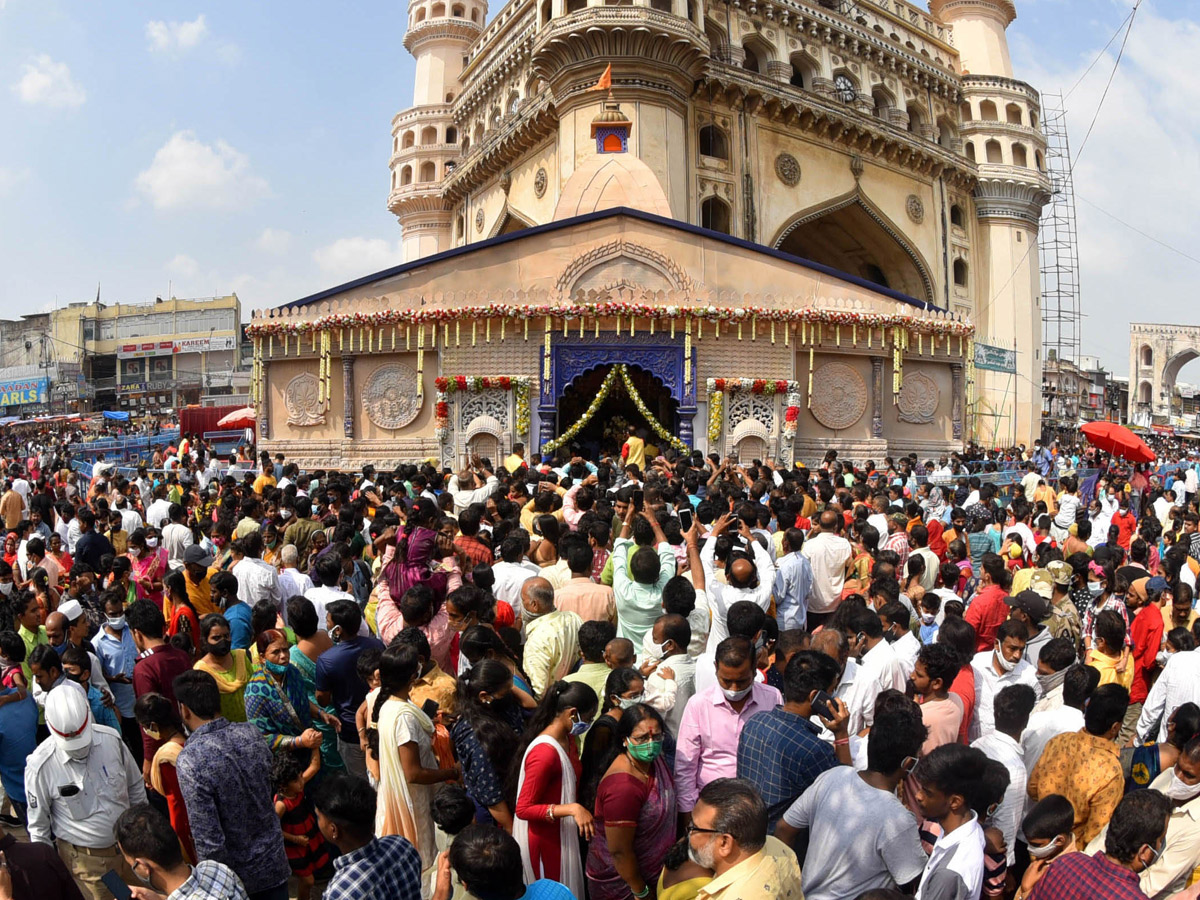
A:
[414,199]
[500,147]
[948,11]
[1008,192]
[450,28]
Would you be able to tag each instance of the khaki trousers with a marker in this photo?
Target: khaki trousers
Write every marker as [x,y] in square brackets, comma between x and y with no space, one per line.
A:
[88,865]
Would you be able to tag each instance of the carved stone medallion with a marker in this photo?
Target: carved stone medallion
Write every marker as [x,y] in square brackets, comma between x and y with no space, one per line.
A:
[839,396]
[787,167]
[915,208]
[539,183]
[390,396]
[301,400]
[479,219]
[918,399]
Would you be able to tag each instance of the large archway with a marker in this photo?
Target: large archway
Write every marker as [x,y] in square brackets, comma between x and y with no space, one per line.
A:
[853,237]
[1158,356]
[606,430]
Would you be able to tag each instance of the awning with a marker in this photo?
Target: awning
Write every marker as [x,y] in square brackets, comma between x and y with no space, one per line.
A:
[116,416]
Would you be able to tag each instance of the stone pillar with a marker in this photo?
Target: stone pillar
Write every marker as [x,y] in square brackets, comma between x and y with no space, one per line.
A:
[264,421]
[348,396]
[779,71]
[956,407]
[877,396]
[686,434]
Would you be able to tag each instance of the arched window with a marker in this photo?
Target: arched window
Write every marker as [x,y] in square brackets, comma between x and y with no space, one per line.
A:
[844,88]
[956,216]
[1032,119]
[1041,160]
[713,142]
[969,149]
[661,5]
[459,12]
[947,133]
[406,175]
[1013,112]
[751,63]
[916,118]
[439,9]
[410,138]
[716,40]
[395,143]
[960,272]
[428,172]
[514,103]
[1145,392]
[421,14]
[474,15]
[547,11]
[965,112]
[714,215]
[691,11]
[451,134]
[428,135]
[884,102]
[450,97]
[1020,156]
[994,154]
[987,111]
[459,226]
[1147,356]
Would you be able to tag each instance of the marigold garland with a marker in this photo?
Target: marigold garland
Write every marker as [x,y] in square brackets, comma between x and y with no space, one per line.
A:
[718,387]
[447,386]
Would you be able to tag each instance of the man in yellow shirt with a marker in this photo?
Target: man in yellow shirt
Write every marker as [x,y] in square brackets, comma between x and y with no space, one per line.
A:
[634,451]
[516,459]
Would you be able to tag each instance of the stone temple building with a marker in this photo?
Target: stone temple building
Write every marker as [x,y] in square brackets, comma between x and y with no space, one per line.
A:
[778,227]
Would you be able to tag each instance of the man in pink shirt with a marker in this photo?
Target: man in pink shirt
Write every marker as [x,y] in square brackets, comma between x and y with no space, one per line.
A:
[590,601]
[577,501]
[713,720]
[988,611]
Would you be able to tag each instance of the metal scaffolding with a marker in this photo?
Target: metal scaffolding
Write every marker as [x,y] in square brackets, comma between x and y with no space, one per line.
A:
[1058,247]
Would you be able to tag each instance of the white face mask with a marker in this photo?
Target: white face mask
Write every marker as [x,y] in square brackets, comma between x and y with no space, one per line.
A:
[627,702]
[6,588]
[652,650]
[1180,790]
[135,552]
[735,696]
[285,513]
[1004,663]
[1048,850]
[151,542]
[928,618]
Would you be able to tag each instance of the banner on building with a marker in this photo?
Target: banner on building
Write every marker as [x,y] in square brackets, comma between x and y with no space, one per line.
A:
[995,359]
[24,391]
[205,344]
[140,351]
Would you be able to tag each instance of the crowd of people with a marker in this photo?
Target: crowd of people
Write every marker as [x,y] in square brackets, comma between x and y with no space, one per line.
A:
[643,675]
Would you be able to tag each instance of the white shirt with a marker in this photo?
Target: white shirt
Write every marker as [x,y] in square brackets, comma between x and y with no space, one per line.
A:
[965,860]
[321,597]
[109,782]
[1178,684]
[507,587]
[292,582]
[257,580]
[131,520]
[74,533]
[907,647]
[828,553]
[176,538]
[988,684]
[722,596]
[879,670]
[1003,749]
[681,690]
[463,499]
[157,514]
[1045,725]
[878,521]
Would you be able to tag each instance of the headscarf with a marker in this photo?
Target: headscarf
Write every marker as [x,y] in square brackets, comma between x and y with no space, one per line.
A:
[415,556]
[936,507]
[937,543]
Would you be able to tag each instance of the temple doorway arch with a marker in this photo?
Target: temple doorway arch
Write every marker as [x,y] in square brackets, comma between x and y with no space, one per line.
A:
[608,427]
[851,235]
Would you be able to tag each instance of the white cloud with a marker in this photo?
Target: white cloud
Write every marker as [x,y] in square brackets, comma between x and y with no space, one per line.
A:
[353,257]
[48,83]
[183,265]
[274,240]
[168,37]
[189,174]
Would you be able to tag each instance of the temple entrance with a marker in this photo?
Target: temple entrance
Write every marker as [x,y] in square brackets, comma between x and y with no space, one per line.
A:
[606,430]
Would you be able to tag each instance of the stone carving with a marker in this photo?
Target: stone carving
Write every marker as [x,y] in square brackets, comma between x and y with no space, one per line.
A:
[300,398]
[787,167]
[745,406]
[839,396]
[479,219]
[918,399]
[390,396]
[539,183]
[491,403]
[915,208]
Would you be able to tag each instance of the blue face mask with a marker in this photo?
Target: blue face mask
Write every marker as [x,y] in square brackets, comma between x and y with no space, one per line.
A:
[275,668]
[579,727]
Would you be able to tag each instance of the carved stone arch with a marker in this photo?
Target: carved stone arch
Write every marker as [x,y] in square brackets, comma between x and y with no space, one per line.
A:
[509,221]
[614,263]
[750,439]
[856,205]
[484,435]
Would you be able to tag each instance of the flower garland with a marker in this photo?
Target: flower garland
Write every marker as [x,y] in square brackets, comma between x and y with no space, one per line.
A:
[718,387]
[450,385]
[394,318]
[655,425]
[593,407]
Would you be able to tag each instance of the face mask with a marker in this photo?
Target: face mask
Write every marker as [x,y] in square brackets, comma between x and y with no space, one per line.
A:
[1047,851]
[116,623]
[217,541]
[527,616]
[1163,656]
[1180,790]
[79,754]
[627,702]
[152,732]
[336,635]
[275,668]
[285,514]
[735,696]
[144,879]
[151,542]
[1049,682]
[1004,663]
[652,650]
[1095,588]
[647,752]
[1158,851]
[6,588]
[221,647]
[579,727]
[928,618]
[909,764]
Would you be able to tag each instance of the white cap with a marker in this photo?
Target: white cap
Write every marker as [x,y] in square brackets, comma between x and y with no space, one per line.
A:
[71,609]
[69,717]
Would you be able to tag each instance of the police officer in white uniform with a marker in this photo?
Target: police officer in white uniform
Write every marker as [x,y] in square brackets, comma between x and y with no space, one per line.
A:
[77,784]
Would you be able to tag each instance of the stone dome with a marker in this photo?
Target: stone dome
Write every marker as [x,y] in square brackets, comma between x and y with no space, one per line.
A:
[612,179]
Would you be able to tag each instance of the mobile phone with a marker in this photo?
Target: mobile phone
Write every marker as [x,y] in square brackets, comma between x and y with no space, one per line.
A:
[820,705]
[685,520]
[113,882]
[430,707]
[639,500]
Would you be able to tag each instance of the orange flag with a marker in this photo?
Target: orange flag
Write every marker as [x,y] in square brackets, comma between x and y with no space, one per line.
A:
[605,81]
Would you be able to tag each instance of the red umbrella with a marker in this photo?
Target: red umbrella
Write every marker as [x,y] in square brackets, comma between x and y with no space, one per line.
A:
[1118,440]
[239,418]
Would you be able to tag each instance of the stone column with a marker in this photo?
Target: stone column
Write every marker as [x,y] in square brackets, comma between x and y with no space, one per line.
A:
[348,396]
[264,421]
[546,427]
[686,433]
[956,407]
[877,396]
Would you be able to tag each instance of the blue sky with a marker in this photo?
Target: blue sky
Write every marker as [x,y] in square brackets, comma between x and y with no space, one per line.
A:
[219,146]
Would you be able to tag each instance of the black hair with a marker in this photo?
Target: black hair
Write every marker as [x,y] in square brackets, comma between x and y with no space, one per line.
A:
[45,657]
[144,832]
[953,769]
[285,767]
[560,696]
[198,691]
[1048,818]
[155,709]
[897,733]
[493,729]
[617,683]
[1186,719]
[629,720]
[740,811]
[1011,708]
[940,661]
[1105,708]
[349,802]
[302,616]
[451,808]
[487,860]
[1140,819]
[346,615]
[1078,684]
[398,667]
[12,646]
[1058,653]
[593,637]
[807,671]
[744,619]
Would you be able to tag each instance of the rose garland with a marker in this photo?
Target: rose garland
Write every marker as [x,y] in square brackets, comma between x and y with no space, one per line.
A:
[718,387]
[447,386]
[395,318]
